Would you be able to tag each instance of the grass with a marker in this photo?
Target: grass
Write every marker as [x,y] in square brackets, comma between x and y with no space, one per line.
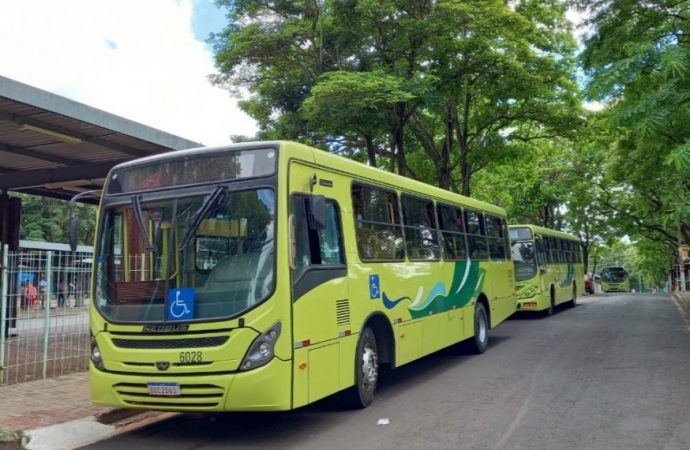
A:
[7,435]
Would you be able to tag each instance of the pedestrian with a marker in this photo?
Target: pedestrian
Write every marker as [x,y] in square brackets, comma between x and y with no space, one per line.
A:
[73,290]
[42,290]
[62,293]
[31,295]
[22,293]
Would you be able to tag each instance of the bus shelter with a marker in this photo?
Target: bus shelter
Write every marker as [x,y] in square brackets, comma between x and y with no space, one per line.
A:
[55,147]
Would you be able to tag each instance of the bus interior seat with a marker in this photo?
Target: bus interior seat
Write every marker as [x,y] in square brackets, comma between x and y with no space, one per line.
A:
[228,288]
[366,242]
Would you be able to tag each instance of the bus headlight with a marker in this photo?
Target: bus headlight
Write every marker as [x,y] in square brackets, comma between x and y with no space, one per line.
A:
[262,349]
[96,354]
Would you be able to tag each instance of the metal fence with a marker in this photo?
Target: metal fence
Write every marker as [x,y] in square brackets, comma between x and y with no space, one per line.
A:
[43,314]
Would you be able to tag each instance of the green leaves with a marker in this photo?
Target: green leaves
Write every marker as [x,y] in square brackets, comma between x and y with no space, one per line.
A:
[679,157]
[637,57]
[46,219]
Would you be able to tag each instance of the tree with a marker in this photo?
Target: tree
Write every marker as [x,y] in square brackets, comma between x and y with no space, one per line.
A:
[343,102]
[534,185]
[636,57]
[46,220]
[459,80]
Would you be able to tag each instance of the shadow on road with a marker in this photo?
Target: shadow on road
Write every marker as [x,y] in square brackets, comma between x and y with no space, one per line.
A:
[255,429]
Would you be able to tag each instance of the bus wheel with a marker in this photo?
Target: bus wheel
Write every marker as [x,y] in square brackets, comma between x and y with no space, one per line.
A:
[548,312]
[573,302]
[366,371]
[481,330]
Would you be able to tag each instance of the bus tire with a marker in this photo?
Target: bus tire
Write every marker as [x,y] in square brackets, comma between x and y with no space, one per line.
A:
[573,302]
[548,312]
[362,394]
[480,341]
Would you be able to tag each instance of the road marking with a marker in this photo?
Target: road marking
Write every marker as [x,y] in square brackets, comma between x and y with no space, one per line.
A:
[523,409]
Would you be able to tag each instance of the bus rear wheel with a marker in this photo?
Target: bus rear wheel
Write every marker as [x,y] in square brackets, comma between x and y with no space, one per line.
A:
[573,302]
[548,312]
[362,393]
[480,342]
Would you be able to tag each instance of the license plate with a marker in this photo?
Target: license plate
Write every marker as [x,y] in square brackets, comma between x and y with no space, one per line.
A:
[164,389]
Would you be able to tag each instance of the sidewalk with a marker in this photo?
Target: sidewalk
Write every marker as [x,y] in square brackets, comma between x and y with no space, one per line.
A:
[682,301]
[41,403]
[683,298]
[56,413]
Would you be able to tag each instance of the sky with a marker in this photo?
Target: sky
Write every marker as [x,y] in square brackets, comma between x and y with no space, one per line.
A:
[145,60]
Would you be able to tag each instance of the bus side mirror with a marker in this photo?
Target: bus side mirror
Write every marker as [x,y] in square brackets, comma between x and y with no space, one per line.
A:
[73,233]
[317,212]
[73,227]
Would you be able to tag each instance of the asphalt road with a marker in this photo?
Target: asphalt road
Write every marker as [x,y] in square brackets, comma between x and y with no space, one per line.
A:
[610,374]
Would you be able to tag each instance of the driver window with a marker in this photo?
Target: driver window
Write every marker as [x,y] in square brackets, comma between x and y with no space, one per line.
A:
[316,248]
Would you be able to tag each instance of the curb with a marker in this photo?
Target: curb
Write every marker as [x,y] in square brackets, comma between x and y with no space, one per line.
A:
[11,442]
[683,308]
[81,432]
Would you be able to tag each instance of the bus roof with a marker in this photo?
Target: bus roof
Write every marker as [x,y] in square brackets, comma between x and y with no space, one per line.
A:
[545,231]
[335,163]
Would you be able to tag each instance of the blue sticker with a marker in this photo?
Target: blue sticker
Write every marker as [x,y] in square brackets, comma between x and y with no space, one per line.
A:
[374,287]
[181,304]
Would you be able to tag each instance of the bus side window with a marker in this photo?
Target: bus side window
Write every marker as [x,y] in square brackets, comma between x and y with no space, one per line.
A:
[331,238]
[542,251]
[302,253]
[476,235]
[494,229]
[553,251]
[453,233]
[316,247]
[377,224]
[420,231]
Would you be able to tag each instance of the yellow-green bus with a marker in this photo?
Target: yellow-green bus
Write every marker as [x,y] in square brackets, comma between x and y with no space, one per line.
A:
[265,276]
[615,279]
[548,268]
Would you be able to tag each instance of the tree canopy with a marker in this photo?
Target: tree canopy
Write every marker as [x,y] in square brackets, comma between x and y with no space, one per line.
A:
[483,98]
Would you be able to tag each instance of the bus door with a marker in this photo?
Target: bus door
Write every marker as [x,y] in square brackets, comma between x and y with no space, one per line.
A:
[543,260]
[318,274]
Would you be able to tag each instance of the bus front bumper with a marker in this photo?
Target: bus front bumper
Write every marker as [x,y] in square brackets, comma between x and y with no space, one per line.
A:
[266,388]
[535,303]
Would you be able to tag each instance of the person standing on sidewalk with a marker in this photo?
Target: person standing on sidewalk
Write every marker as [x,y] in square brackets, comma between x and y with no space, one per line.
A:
[22,293]
[31,294]
[62,293]
[42,288]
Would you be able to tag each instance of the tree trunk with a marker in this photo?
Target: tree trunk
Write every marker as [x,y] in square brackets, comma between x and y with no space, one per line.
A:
[399,139]
[443,169]
[371,150]
[462,131]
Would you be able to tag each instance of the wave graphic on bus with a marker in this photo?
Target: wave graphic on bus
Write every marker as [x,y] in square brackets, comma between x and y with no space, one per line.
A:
[468,282]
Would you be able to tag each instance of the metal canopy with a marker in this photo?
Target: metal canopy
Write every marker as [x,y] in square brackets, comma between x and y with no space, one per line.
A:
[55,147]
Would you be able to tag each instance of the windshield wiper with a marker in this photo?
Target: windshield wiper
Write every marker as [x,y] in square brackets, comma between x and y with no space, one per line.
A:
[210,202]
[136,205]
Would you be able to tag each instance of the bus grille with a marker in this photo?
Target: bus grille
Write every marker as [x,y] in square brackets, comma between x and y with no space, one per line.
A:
[193,396]
[146,344]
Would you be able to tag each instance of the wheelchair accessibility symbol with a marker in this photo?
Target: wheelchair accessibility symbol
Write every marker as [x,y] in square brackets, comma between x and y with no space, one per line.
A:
[181,304]
[374,287]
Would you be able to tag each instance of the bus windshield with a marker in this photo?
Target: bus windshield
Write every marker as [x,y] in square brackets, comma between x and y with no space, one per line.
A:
[614,274]
[524,260]
[218,248]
